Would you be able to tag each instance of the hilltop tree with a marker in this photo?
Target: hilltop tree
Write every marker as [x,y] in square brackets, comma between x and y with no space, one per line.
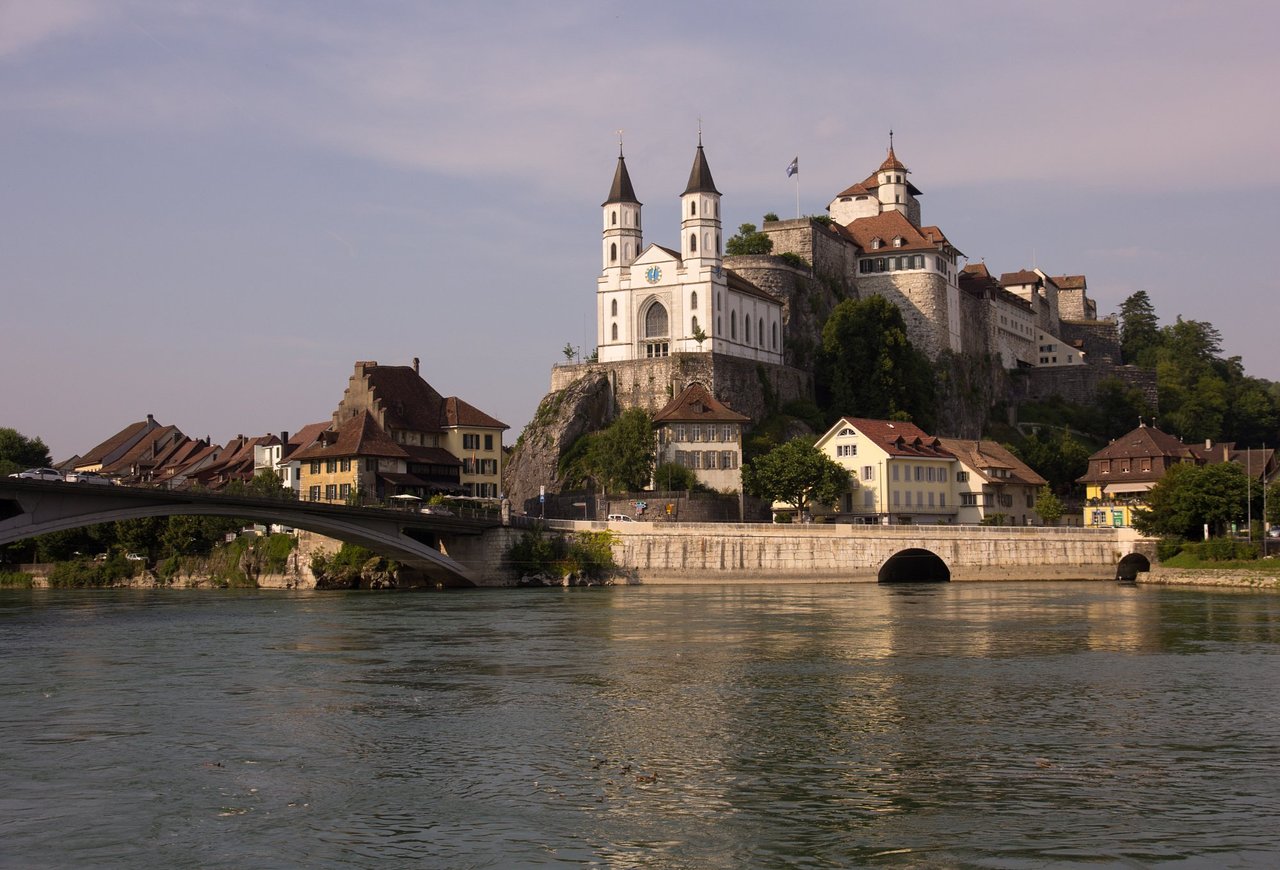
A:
[748,241]
[18,452]
[796,474]
[1139,330]
[868,367]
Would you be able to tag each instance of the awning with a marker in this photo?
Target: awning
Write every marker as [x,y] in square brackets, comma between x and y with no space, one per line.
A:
[1111,488]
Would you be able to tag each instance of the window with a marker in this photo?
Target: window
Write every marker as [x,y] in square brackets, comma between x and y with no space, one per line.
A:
[315,466]
[613,308]
[470,442]
[728,433]
[774,331]
[655,321]
[895,496]
[942,499]
[733,324]
[968,499]
[696,431]
[613,253]
[868,472]
[713,433]
[330,466]
[694,326]
[313,494]
[760,332]
[693,301]
[709,459]
[930,499]
[693,243]
[488,442]
[895,472]
[344,491]
[614,332]
[680,432]
[693,208]
[868,499]
[919,473]
[746,329]
[728,459]
[331,492]
[613,218]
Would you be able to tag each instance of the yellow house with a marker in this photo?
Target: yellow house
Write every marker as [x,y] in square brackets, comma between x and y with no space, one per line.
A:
[1121,474]
[898,474]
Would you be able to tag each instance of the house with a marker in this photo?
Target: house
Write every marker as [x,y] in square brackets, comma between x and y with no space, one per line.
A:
[275,454]
[991,482]
[1120,473]
[898,473]
[115,447]
[702,434]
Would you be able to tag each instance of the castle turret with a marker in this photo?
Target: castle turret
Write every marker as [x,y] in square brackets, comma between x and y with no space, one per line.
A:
[700,217]
[895,192]
[622,234]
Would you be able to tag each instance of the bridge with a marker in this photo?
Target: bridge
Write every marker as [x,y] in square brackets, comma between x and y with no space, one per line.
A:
[30,507]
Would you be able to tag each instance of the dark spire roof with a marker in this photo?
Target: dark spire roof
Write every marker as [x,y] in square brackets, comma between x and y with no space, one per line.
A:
[621,191]
[700,176]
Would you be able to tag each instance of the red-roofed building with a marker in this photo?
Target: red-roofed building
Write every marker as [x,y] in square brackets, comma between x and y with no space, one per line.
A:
[702,434]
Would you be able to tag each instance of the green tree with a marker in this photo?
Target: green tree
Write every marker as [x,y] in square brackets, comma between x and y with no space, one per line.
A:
[1273,504]
[1048,506]
[1189,496]
[796,474]
[18,452]
[1118,407]
[868,367]
[748,241]
[568,351]
[1139,330]
[619,458]
[1059,459]
[673,477]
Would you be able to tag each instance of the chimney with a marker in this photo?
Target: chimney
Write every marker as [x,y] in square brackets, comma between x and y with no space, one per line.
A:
[284,436]
[415,365]
[362,365]
[1208,444]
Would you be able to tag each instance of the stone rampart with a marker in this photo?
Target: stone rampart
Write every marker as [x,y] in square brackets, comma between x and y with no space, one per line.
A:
[1079,383]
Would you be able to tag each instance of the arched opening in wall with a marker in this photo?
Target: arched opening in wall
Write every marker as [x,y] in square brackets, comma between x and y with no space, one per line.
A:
[693,301]
[693,243]
[613,308]
[614,333]
[655,321]
[1131,566]
[613,253]
[915,565]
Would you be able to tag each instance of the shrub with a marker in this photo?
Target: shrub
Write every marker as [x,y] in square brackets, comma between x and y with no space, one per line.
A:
[15,580]
[791,258]
[585,554]
[1167,548]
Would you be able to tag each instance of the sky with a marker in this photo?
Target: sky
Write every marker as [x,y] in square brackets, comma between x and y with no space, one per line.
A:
[210,210]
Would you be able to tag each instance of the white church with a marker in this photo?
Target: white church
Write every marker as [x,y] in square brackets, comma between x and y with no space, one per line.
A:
[652,301]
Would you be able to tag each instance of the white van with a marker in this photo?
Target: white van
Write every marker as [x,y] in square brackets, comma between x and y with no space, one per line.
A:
[620,518]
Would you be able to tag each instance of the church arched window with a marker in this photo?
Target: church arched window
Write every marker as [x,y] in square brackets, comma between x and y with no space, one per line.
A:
[693,243]
[613,253]
[613,308]
[615,332]
[774,332]
[693,207]
[733,325]
[655,321]
[613,216]
[694,327]
[760,333]
[693,301]
[706,242]
[746,329]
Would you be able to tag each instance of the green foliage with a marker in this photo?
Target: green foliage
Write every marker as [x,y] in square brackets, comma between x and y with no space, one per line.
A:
[619,458]
[806,412]
[1273,504]
[748,241]
[791,258]
[824,219]
[1168,547]
[1139,330]
[18,452]
[16,580]
[584,554]
[1214,550]
[83,574]
[1116,409]
[868,367]
[770,217]
[993,520]
[568,351]
[1057,457]
[796,474]
[672,477]
[1189,496]
[699,335]
[1048,506]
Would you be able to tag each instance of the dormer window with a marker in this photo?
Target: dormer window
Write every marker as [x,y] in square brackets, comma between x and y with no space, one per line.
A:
[875,244]
[897,242]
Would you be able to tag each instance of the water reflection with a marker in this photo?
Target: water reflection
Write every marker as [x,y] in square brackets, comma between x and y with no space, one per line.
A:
[1004,725]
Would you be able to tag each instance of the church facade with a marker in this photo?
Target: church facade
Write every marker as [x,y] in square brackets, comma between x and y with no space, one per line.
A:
[653,301]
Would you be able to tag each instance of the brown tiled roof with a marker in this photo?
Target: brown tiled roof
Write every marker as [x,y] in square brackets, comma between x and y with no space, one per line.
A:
[1070,282]
[459,413]
[115,442]
[977,281]
[866,187]
[892,162]
[981,455]
[429,455]
[1144,441]
[356,436]
[405,399]
[304,437]
[888,225]
[1022,276]
[978,269]
[695,404]
[154,441]
[900,438]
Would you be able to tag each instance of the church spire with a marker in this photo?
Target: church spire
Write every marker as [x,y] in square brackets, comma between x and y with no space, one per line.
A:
[700,175]
[621,190]
[622,240]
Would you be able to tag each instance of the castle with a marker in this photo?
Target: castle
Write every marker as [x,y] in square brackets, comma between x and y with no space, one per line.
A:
[748,326]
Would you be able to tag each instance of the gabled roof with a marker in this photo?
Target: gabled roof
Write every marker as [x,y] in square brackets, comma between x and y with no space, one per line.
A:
[890,224]
[1022,276]
[695,404]
[152,443]
[429,455]
[405,400]
[459,413]
[1070,282]
[980,456]
[1142,442]
[304,437]
[358,435]
[896,437]
[975,280]
[700,175]
[122,440]
[621,190]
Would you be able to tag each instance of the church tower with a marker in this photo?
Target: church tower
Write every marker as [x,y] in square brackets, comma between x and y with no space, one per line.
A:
[700,217]
[622,234]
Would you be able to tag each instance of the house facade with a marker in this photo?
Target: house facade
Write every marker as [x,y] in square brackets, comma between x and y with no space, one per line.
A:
[700,433]
[1121,473]
[991,484]
[898,473]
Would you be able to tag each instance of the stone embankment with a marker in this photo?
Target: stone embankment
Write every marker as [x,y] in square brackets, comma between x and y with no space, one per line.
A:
[1239,579]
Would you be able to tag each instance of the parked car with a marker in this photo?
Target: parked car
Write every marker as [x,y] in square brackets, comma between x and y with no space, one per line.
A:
[619,518]
[1274,532]
[91,477]
[437,510]
[39,474]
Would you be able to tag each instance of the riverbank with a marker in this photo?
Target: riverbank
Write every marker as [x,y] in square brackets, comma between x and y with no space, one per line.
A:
[1241,578]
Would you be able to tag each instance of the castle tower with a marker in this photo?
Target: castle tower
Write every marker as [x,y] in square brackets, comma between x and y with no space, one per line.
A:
[894,189]
[700,217]
[622,234]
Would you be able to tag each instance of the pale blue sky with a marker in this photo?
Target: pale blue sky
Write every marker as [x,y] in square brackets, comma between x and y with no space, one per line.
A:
[210,210]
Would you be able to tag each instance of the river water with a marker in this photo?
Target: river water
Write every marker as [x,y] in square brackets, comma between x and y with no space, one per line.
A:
[985,725]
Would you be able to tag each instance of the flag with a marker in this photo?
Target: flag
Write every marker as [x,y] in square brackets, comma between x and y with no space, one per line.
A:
[794,167]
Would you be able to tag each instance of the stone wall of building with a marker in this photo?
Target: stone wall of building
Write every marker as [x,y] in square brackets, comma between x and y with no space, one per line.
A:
[1099,339]
[1079,383]
[922,299]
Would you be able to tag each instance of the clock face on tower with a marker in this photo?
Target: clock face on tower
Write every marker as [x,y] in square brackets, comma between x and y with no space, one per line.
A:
[653,274]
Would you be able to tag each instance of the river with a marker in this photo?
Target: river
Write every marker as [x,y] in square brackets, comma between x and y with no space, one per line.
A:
[1011,725]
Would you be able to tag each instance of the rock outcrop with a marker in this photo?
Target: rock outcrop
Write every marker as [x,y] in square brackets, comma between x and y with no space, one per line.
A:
[562,418]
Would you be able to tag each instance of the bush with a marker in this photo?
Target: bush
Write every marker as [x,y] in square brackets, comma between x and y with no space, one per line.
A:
[1221,550]
[793,259]
[1167,548]
[15,580]
[585,554]
[81,574]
